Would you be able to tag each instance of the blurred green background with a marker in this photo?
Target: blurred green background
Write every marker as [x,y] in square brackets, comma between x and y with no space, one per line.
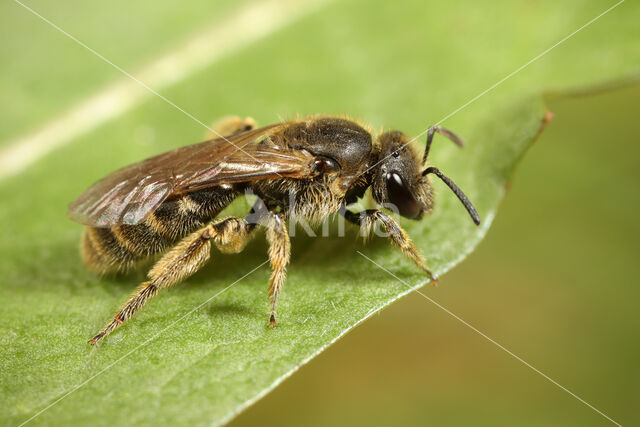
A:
[555,281]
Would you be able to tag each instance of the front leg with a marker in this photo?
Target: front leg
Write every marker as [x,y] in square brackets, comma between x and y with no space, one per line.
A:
[399,238]
[279,255]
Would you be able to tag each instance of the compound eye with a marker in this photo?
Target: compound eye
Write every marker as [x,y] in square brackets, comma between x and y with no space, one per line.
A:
[400,196]
[326,165]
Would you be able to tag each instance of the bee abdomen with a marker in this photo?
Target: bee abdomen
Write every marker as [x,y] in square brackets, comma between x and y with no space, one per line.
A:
[103,252]
[115,249]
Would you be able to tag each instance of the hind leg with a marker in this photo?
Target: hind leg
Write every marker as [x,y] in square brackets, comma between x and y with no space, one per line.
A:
[231,125]
[183,260]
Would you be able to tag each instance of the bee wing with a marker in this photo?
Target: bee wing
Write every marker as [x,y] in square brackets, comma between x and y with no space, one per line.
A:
[130,194]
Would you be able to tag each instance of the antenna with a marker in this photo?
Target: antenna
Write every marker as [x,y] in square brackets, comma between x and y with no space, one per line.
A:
[457,191]
[442,131]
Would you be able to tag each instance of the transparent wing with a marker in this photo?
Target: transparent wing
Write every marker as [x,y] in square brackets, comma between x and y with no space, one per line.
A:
[130,194]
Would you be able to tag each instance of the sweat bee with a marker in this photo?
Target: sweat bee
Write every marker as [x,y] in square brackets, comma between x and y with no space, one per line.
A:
[305,168]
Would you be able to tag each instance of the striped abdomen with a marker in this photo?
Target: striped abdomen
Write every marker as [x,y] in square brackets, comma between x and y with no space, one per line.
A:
[113,249]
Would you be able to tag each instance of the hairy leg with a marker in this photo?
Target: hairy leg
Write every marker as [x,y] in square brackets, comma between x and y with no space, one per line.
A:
[184,259]
[231,125]
[279,255]
[399,238]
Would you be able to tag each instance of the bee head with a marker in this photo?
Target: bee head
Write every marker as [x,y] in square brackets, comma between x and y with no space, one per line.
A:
[399,182]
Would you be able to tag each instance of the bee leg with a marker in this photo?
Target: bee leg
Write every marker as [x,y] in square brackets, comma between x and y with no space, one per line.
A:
[399,238]
[180,262]
[231,125]
[279,255]
[233,234]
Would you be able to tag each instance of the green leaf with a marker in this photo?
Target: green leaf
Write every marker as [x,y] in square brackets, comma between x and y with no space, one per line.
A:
[201,353]
[33,81]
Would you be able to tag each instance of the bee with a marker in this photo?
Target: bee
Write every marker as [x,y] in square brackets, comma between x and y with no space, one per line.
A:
[306,168]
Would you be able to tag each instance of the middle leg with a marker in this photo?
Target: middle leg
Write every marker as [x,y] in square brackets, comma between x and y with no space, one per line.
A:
[279,255]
